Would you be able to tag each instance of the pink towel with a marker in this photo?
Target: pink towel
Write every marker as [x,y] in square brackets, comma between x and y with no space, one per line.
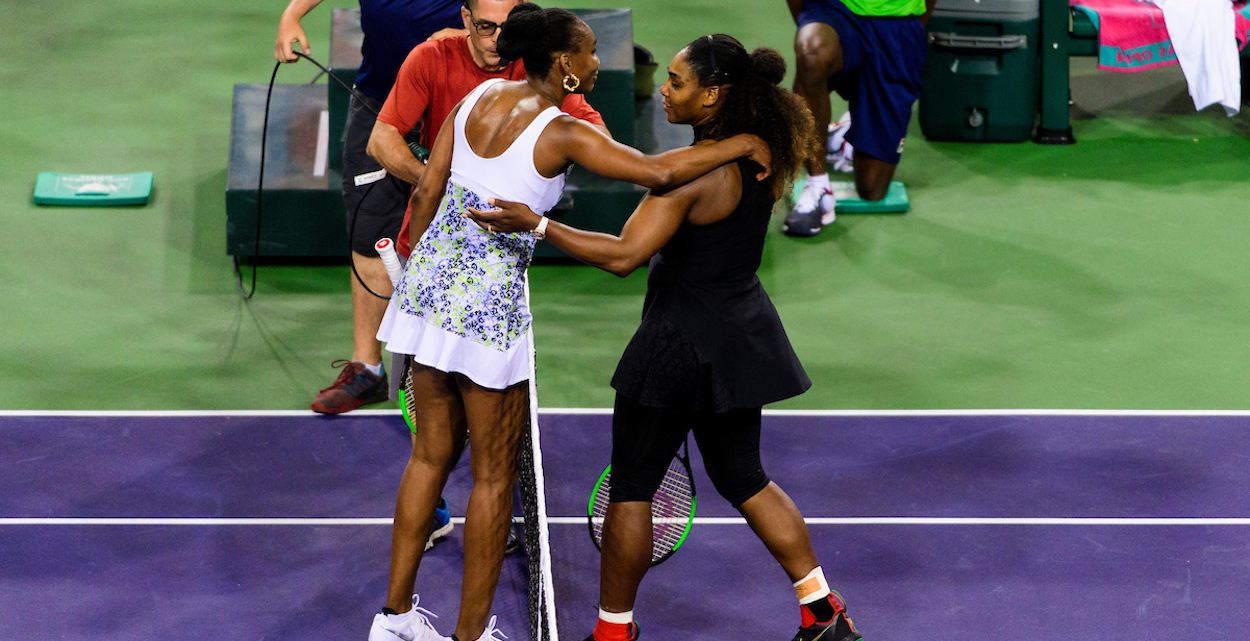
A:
[1133,37]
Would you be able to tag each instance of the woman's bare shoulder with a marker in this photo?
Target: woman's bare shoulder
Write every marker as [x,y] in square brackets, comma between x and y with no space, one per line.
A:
[715,195]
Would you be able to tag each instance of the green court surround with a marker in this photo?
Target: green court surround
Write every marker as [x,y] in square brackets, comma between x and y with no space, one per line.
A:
[1108,274]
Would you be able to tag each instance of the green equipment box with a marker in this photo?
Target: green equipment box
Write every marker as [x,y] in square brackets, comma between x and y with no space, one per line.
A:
[93,190]
[303,204]
[980,80]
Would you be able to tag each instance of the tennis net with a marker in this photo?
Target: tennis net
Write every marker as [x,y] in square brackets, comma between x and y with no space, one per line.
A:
[542,609]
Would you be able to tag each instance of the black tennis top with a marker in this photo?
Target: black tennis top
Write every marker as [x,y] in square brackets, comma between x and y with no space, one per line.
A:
[710,338]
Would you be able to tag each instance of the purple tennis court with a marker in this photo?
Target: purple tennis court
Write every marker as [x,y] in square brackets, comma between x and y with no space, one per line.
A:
[932,525]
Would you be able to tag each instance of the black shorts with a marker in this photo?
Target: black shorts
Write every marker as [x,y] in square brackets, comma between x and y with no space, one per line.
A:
[645,439]
[381,212]
[883,66]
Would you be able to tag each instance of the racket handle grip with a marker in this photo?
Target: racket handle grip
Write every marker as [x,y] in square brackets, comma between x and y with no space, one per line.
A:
[386,251]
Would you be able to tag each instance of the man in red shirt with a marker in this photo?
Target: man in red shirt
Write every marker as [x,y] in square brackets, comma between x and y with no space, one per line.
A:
[437,75]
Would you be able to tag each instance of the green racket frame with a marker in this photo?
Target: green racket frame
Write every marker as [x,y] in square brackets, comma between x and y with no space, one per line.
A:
[601,491]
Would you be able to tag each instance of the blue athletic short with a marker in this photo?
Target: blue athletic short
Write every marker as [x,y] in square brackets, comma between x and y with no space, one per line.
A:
[882,68]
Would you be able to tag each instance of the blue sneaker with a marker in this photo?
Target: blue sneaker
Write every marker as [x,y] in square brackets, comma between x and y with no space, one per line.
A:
[442,523]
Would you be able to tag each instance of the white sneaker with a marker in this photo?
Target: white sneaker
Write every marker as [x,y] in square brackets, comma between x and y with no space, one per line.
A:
[413,625]
[814,209]
[813,198]
[491,633]
[838,152]
[384,629]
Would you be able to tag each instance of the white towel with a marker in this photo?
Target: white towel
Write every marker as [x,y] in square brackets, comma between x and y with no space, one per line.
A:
[1203,36]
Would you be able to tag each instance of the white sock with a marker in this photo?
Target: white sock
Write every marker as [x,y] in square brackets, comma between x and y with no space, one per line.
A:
[812,587]
[619,618]
[819,180]
[376,370]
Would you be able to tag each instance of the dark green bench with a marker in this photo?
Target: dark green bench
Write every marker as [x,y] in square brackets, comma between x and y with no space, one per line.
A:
[1066,33]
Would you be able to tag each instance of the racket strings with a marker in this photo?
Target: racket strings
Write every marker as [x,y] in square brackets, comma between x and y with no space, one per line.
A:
[672,508]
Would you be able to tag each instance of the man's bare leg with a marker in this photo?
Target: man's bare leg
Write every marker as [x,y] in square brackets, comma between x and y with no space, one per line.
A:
[367,309]
[872,176]
[818,56]
[818,53]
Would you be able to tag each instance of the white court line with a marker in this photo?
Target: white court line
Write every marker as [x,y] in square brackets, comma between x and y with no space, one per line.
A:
[734,520]
[1007,412]
[959,520]
[193,521]
[182,413]
[595,411]
[603,411]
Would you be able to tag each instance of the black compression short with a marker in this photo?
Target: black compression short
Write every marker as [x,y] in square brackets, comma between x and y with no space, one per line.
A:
[645,439]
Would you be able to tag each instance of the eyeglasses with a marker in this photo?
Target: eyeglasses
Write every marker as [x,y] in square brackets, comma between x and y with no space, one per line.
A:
[485,28]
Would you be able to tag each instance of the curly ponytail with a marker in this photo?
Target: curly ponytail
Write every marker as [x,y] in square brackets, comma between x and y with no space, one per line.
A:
[753,102]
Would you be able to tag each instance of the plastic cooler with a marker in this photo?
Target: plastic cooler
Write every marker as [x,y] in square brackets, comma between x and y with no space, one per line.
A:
[980,80]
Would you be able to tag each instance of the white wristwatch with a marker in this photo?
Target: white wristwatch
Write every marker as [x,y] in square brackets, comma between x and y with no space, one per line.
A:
[540,232]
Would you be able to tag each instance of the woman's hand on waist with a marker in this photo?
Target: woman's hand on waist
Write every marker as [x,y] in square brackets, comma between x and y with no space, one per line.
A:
[506,217]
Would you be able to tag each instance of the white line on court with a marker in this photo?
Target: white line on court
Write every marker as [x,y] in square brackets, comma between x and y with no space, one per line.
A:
[581,521]
[602,411]
[972,520]
[181,413]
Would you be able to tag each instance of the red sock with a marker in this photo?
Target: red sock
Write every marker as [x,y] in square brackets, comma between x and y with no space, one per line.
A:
[605,631]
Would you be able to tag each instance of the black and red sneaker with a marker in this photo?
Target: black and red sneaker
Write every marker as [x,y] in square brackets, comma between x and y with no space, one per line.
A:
[354,387]
[634,631]
[837,628]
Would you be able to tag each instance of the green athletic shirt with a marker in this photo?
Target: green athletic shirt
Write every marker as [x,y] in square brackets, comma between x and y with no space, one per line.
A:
[885,8]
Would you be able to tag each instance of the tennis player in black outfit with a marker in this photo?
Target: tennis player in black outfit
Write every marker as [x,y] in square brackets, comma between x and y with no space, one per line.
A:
[711,350]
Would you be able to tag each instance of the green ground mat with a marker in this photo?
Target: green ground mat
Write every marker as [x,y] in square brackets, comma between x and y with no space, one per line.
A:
[93,190]
[895,201]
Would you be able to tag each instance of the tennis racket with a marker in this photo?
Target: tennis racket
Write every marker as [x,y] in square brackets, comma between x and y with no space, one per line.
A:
[386,251]
[672,507]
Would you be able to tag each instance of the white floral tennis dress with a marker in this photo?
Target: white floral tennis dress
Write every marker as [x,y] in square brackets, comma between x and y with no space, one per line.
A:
[460,306]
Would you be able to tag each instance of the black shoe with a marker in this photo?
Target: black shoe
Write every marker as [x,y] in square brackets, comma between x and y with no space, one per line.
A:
[839,629]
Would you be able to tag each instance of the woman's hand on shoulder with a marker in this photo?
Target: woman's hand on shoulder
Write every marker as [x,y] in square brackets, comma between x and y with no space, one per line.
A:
[506,217]
[760,155]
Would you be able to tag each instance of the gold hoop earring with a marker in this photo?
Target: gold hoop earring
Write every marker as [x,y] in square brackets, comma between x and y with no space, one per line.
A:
[575,82]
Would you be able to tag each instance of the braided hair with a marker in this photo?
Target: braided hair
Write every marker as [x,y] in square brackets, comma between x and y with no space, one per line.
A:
[753,103]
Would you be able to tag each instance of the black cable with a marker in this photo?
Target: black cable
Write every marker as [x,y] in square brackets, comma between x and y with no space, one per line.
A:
[349,88]
[351,234]
[351,231]
[264,133]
